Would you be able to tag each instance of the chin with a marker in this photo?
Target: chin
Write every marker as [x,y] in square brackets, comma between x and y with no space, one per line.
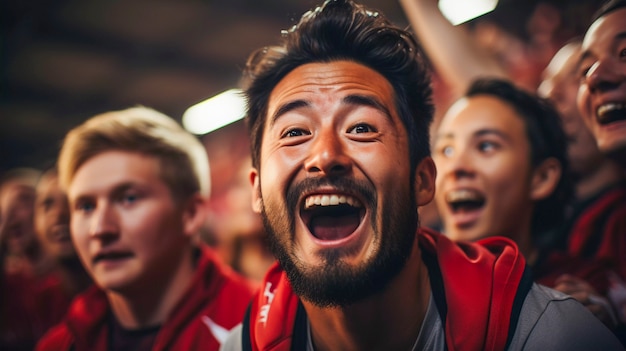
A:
[466,235]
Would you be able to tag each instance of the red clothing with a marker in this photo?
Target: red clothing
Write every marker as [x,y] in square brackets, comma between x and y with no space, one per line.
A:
[20,324]
[475,287]
[30,306]
[216,299]
[594,243]
[52,300]
[600,231]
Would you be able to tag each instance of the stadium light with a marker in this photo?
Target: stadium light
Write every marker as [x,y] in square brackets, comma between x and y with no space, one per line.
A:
[461,11]
[215,112]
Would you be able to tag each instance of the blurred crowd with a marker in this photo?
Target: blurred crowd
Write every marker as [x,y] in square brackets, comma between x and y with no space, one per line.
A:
[546,184]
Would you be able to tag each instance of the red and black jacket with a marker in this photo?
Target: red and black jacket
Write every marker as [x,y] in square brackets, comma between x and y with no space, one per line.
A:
[216,292]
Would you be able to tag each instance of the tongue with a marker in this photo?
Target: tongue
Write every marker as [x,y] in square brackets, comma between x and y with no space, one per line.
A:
[334,227]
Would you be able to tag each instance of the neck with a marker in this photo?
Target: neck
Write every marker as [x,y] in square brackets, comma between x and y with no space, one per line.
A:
[390,320]
[605,174]
[527,246]
[521,232]
[147,305]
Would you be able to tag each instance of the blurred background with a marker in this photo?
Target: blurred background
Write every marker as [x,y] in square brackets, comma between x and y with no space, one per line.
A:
[63,61]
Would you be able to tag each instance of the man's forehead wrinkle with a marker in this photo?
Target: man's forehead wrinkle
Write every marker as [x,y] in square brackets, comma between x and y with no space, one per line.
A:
[327,85]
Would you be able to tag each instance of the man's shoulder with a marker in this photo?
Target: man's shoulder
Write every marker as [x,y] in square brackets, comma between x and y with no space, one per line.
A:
[551,320]
[83,317]
[214,304]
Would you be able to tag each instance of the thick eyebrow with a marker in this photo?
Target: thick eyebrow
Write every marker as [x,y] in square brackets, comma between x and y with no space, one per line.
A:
[365,100]
[116,192]
[478,133]
[290,106]
[359,100]
[488,131]
[122,188]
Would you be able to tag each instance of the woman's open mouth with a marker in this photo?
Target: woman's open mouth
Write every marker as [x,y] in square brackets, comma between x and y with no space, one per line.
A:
[465,206]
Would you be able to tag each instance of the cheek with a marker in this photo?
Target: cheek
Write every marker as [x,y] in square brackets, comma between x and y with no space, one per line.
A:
[78,229]
[277,169]
[80,236]
[442,170]
[582,102]
[40,224]
[148,224]
[507,175]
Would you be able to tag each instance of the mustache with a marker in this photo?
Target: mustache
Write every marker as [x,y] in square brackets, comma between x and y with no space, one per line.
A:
[360,188]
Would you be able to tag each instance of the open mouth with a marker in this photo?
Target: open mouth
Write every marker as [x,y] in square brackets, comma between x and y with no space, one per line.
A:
[465,200]
[112,256]
[332,216]
[611,112]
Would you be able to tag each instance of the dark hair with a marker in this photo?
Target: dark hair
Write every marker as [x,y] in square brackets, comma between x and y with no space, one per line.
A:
[608,7]
[343,30]
[547,140]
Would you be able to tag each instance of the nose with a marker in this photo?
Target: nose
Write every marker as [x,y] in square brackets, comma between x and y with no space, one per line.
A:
[602,77]
[327,156]
[103,223]
[457,164]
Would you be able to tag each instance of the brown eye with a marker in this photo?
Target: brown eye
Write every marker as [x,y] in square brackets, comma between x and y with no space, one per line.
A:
[361,128]
[486,146]
[85,206]
[296,132]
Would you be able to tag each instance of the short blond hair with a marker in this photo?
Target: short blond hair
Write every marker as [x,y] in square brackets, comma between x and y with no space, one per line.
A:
[183,159]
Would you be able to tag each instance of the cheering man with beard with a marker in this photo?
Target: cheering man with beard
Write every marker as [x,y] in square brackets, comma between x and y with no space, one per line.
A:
[339,117]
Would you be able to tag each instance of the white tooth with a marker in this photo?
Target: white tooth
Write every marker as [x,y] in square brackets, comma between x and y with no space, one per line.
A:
[609,107]
[350,200]
[330,200]
[325,200]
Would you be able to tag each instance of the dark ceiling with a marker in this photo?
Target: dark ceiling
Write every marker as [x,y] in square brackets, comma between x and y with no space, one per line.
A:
[66,60]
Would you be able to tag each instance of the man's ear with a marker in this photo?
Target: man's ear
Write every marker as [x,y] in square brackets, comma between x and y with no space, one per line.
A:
[194,214]
[257,200]
[546,177]
[425,181]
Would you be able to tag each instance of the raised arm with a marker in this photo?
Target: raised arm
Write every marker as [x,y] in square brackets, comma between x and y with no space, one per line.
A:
[453,53]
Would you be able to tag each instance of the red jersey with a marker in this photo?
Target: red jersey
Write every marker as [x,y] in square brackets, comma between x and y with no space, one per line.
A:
[214,303]
[593,244]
